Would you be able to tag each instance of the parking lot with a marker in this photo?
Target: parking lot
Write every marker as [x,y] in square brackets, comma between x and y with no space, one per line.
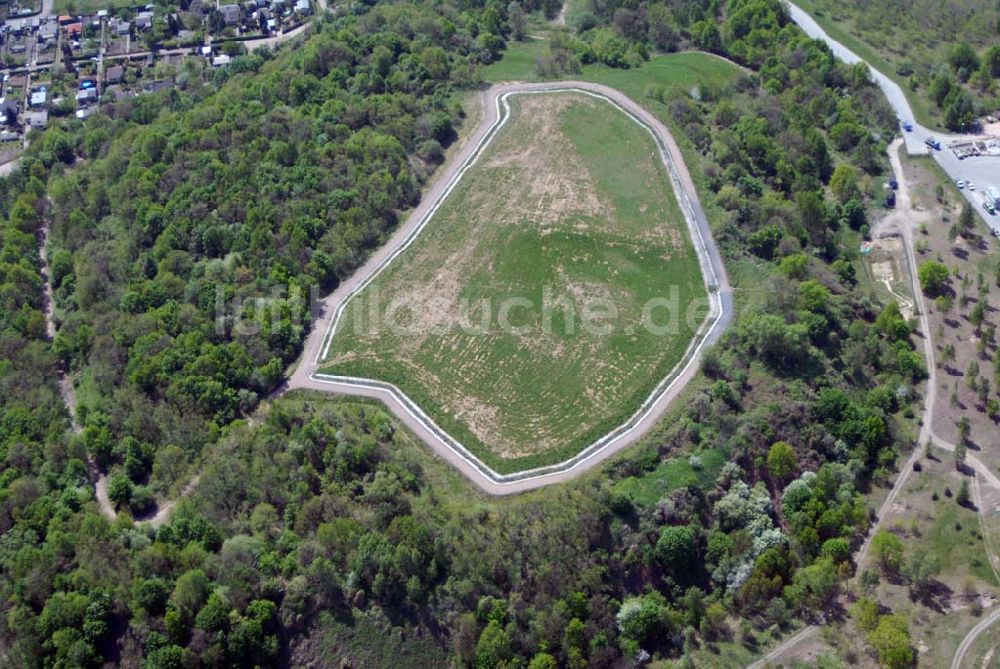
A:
[982,171]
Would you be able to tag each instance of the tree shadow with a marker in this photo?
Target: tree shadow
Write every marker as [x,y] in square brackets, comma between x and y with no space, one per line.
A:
[935,595]
[970,505]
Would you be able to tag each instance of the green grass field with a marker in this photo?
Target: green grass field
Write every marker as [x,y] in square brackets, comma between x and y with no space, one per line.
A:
[669,475]
[681,70]
[518,62]
[90,6]
[586,217]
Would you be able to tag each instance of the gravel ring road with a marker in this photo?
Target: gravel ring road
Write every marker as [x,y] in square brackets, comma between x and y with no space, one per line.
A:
[305,374]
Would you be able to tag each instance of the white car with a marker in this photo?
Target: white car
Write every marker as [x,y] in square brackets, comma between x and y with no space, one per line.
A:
[971,186]
[960,183]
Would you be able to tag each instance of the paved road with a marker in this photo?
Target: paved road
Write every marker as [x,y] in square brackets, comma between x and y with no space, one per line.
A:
[306,376]
[977,168]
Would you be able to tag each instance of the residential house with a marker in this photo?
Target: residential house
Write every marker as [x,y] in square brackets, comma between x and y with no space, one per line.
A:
[114,74]
[8,109]
[48,31]
[158,85]
[303,7]
[86,96]
[120,27]
[230,14]
[37,98]
[144,20]
[37,119]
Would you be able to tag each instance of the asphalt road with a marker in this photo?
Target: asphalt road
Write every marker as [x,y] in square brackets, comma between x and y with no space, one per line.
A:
[983,170]
[305,374]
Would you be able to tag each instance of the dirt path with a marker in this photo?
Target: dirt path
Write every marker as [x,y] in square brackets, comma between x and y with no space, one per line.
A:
[784,649]
[164,510]
[927,432]
[991,556]
[560,19]
[65,384]
[905,219]
[970,638]
[306,376]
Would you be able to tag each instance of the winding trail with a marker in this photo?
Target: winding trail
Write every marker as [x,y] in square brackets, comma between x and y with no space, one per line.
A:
[908,221]
[914,146]
[907,217]
[560,19]
[970,638]
[65,384]
[306,374]
[779,652]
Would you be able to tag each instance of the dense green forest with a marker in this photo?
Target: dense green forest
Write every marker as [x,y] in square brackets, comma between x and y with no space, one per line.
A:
[319,519]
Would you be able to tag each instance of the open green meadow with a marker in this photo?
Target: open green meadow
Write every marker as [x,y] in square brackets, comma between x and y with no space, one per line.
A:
[90,6]
[568,210]
[673,70]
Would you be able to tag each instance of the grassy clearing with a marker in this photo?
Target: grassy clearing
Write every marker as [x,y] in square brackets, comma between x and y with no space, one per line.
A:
[673,474]
[969,258]
[90,6]
[586,215]
[518,62]
[367,640]
[676,70]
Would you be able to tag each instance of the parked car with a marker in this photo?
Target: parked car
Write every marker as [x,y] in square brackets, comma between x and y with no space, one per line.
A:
[961,184]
